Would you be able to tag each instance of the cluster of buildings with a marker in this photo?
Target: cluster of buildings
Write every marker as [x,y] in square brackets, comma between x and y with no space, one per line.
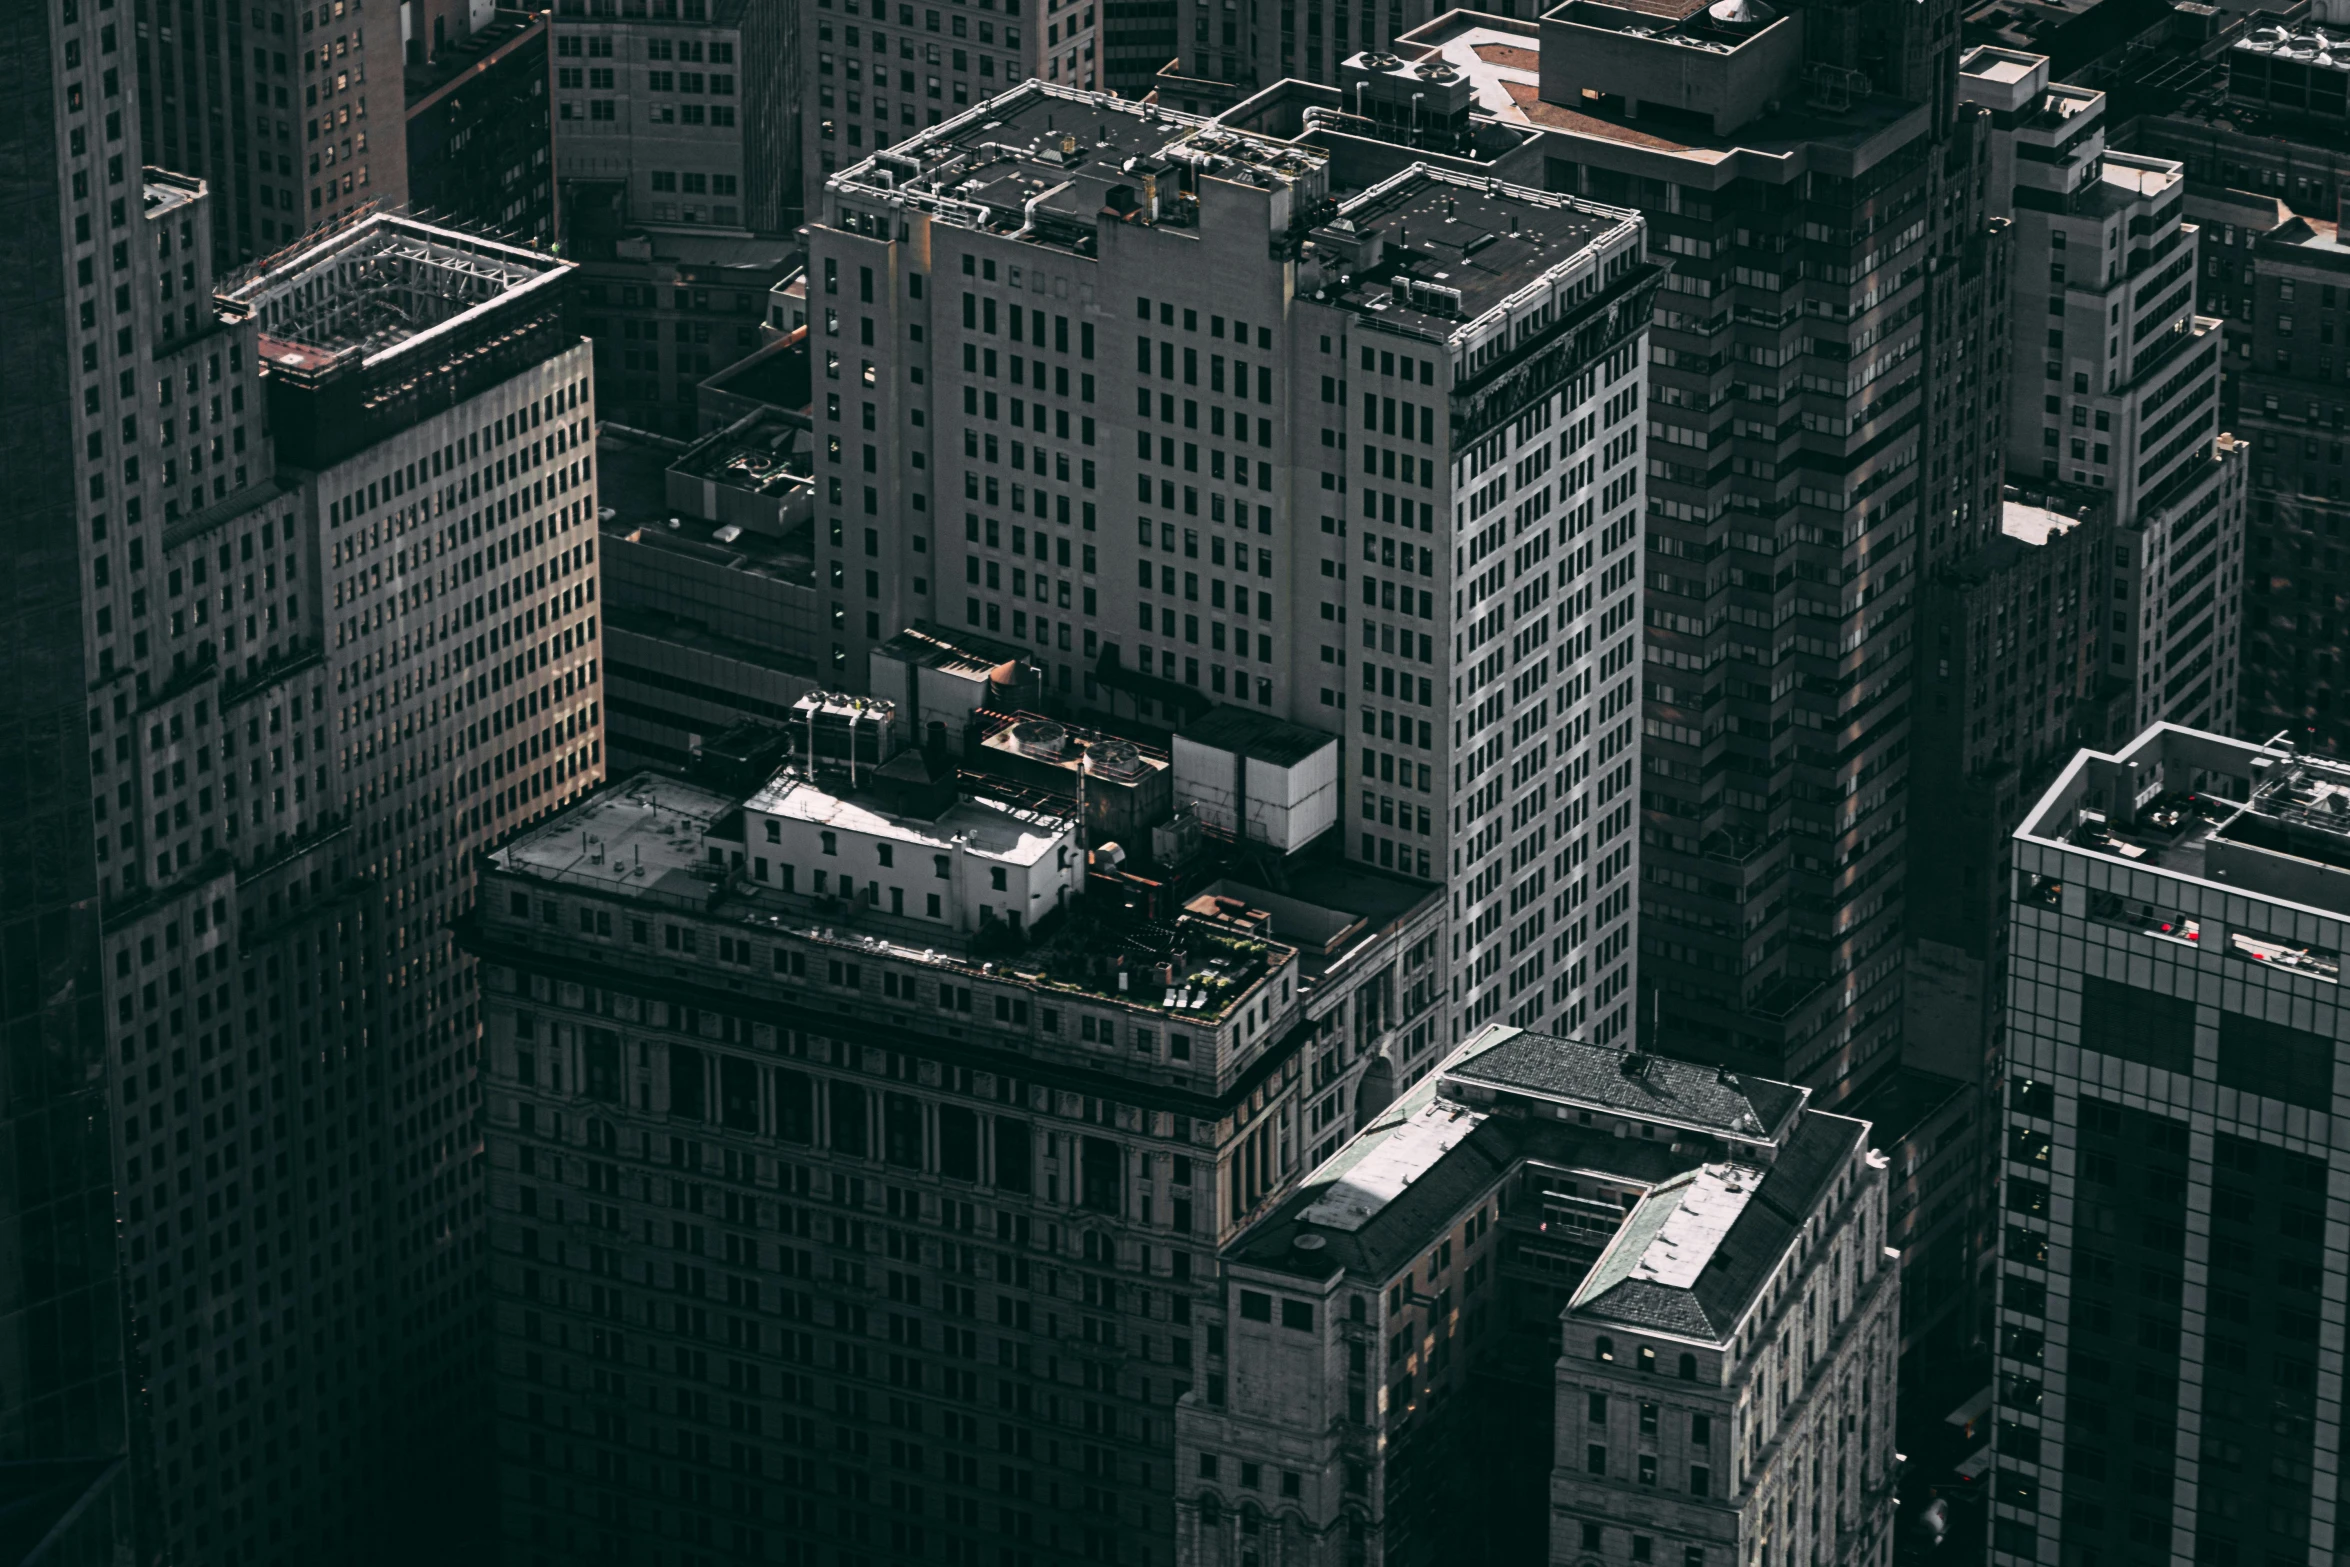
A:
[1418,802]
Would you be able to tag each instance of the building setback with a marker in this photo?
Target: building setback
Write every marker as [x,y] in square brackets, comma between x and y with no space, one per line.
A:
[1654,1295]
[2128,394]
[1135,391]
[338,650]
[863,1155]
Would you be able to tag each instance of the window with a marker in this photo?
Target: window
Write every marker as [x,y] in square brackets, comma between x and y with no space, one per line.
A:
[1595,1409]
[1298,1314]
[830,841]
[1603,1348]
[1595,1459]
[1256,1306]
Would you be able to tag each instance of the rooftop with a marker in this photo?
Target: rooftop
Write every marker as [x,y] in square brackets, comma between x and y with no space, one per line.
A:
[1657,1089]
[1437,254]
[1045,164]
[767,452]
[990,829]
[2032,521]
[1258,736]
[651,837]
[1691,1251]
[1503,63]
[359,294]
[2263,821]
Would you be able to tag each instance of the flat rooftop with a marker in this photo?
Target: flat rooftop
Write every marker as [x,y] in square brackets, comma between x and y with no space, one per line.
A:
[1042,163]
[928,645]
[988,829]
[1258,736]
[364,292]
[1503,62]
[2035,523]
[632,485]
[766,452]
[2257,821]
[649,838]
[1453,249]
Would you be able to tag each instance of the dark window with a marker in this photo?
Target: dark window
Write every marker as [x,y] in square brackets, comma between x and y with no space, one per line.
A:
[958,1143]
[685,1083]
[738,1093]
[848,1119]
[2138,1025]
[603,1064]
[795,1107]
[1256,1305]
[901,1130]
[1298,1314]
[2271,1059]
[1013,1164]
[1104,1172]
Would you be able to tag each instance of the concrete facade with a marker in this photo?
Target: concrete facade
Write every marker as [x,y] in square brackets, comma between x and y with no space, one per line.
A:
[1507,1222]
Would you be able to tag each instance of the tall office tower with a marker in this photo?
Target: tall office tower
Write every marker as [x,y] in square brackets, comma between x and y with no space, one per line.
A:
[2127,398]
[2165,1389]
[290,110]
[1794,482]
[480,122]
[307,713]
[877,73]
[1560,1303]
[65,1412]
[1198,434]
[2289,397]
[862,1154]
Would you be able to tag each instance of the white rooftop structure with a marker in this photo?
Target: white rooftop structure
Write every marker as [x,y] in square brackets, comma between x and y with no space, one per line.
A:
[1392,1164]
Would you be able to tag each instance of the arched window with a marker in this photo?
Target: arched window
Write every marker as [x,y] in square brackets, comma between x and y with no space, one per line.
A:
[1647,1359]
[1688,1368]
[1603,1348]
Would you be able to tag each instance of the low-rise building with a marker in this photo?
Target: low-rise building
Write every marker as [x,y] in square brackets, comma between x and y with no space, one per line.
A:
[1560,1301]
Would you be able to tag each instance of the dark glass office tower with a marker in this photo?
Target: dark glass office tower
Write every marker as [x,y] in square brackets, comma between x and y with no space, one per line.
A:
[63,1415]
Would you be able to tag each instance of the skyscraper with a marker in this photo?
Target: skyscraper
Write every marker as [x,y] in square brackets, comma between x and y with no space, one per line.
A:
[2170,1169]
[2127,395]
[64,1383]
[1139,393]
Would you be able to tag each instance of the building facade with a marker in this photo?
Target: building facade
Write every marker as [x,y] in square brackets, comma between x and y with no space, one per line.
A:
[677,113]
[69,1408]
[2164,1385]
[480,125]
[2290,400]
[863,1154]
[1686,1270]
[1152,424]
[2129,392]
[330,716]
[292,114]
